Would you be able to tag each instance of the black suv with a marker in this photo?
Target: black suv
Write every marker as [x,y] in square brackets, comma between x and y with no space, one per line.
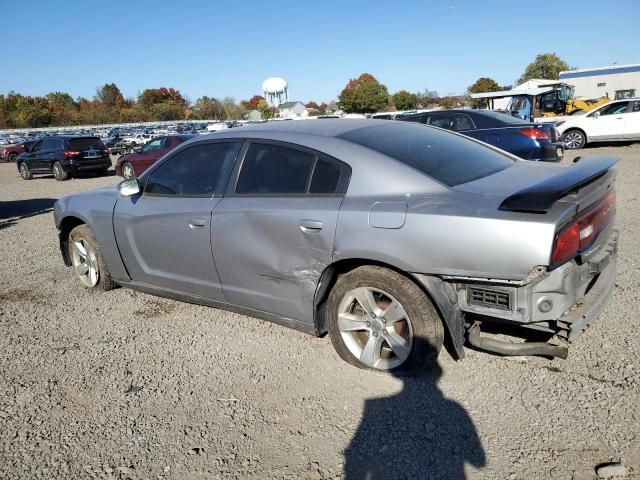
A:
[64,156]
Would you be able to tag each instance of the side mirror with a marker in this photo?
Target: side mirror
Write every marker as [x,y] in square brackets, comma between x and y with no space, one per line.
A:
[596,115]
[130,187]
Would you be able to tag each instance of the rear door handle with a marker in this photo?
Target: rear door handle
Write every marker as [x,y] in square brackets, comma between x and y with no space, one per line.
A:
[196,223]
[310,226]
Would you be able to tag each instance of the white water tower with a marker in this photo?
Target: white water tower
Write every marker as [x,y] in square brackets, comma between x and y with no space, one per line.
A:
[275,91]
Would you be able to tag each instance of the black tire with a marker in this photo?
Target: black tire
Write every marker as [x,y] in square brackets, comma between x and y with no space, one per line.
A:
[25,173]
[104,277]
[574,139]
[126,167]
[58,172]
[12,157]
[428,331]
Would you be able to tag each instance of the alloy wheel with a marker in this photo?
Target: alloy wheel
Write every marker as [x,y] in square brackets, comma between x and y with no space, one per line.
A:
[375,328]
[573,140]
[85,262]
[127,171]
[57,172]
[24,170]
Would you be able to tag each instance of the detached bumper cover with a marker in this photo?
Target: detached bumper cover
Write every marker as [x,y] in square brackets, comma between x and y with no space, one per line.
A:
[575,322]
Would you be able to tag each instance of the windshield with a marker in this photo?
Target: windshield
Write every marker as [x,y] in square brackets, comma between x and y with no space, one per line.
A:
[446,157]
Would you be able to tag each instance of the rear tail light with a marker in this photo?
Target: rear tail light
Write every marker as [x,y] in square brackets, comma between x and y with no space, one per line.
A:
[72,154]
[534,133]
[581,233]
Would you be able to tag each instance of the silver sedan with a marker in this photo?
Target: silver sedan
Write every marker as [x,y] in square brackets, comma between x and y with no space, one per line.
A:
[387,235]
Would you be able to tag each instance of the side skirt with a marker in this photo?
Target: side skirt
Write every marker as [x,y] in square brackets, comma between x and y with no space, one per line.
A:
[183,297]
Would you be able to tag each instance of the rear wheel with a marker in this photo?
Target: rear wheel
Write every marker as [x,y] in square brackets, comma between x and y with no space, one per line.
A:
[12,157]
[574,139]
[381,320]
[59,173]
[127,171]
[86,258]
[25,173]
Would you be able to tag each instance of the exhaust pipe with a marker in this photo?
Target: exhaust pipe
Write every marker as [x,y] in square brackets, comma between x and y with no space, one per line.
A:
[508,348]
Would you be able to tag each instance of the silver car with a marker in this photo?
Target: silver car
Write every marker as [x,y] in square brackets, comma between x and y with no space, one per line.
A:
[387,235]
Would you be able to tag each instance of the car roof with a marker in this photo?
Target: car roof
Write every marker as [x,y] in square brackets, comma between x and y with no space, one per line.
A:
[331,127]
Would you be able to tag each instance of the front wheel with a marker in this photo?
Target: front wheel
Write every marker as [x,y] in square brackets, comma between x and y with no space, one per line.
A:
[12,157]
[574,139]
[58,172]
[127,171]
[25,173]
[86,258]
[381,320]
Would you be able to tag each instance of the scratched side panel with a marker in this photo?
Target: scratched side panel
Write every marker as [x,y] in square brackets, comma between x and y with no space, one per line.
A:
[265,260]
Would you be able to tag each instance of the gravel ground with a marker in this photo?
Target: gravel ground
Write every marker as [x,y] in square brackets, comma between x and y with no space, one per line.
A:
[127,385]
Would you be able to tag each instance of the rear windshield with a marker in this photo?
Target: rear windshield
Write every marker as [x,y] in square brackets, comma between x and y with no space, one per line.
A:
[86,143]
[446,157]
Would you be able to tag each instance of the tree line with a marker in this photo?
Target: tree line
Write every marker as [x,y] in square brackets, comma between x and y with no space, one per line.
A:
[361,95]
[366,94]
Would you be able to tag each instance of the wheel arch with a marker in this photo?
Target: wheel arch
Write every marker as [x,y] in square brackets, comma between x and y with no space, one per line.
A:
[441,294]
[66,225]
[570,129]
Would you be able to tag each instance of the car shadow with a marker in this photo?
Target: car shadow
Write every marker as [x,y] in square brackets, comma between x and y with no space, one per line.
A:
[13,211]
[417,433]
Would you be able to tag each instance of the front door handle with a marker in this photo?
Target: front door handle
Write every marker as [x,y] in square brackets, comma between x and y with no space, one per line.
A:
[196,223]
[310,226]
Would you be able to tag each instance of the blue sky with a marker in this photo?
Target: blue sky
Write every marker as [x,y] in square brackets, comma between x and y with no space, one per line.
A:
[226,48]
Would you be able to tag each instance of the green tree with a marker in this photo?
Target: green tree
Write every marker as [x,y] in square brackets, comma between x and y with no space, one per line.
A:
[482,85]
[363,95]
[546,65]
[266,112]
[208,108]
[404,100]
[111,97]
[164,111]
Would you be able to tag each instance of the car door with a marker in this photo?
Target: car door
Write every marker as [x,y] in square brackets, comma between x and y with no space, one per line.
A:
[273,232]
[149,154]
[43,160]
[33,156]
[632,125]
[164,234]
[608,122]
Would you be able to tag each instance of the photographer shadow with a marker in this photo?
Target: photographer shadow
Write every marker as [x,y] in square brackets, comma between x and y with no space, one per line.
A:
[415,434]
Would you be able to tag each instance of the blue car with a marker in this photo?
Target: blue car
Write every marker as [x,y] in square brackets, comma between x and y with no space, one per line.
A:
[529,141]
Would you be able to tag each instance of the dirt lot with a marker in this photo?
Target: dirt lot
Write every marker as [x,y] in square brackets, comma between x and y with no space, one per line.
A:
[127,385]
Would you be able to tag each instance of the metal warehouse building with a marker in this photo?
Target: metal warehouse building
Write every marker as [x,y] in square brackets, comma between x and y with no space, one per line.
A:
[618,81]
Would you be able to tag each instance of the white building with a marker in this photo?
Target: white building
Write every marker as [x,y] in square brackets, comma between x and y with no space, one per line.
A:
[618,81]
[292,110]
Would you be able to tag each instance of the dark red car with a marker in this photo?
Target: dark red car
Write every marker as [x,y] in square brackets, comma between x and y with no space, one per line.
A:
[133,164]
[10,153]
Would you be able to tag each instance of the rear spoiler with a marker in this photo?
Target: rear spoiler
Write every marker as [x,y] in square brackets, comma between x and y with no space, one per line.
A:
[539,197]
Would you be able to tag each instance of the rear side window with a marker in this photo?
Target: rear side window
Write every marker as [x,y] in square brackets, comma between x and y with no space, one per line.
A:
[455,121]
[197,171]
[86,143]
[326,177]
[448,158]
[272,169]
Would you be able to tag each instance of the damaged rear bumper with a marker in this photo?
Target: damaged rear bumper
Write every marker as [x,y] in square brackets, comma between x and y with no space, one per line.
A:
[562,303]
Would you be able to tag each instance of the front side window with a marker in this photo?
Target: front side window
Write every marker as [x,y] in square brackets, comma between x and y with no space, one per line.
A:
[272,169]
[615,109]
[197,171]
[153,145]
[37,147]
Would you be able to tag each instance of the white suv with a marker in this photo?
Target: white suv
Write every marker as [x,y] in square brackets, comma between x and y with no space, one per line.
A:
[618,120]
